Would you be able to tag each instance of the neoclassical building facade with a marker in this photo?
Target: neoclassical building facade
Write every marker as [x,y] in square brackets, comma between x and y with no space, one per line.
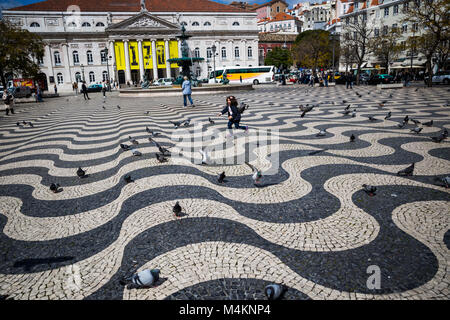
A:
[125,40]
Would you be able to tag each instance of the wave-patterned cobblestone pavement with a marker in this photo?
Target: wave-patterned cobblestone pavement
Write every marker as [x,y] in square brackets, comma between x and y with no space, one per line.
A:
[308,226]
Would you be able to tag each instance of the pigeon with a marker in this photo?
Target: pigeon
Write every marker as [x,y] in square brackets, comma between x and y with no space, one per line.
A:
[125,147]
[147,129]
[306,110]
[187,122]
[401,125]
[322,133]
[445,133]
[221,177]
[445,181]
[370,190]
[147,112]
[384,101]
[257,175]
[118,107]
[144,278]
[177,124]
[176,209]
[416,89]
[24,122]
[346,112]
[416,122]
[81,173]
[128,179]
[205,156]
[406,119]
[354,113]
[352,138]
[54,187]
[103,107]
[211,121]
[18,124]
[160,158]
[416,130]
[274,291]
[407,171]
[161,149]
[428,124]
[31,125]
[438,139]
[388,115]
[136,153]
[371,118]
[133,141]
[347,107]
[344,101]
[271,103]
[316,152]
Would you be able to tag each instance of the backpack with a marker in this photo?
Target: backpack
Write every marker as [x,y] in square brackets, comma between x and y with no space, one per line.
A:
[242,108]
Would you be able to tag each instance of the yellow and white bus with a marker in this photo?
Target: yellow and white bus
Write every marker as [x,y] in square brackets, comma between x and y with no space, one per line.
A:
[255,75]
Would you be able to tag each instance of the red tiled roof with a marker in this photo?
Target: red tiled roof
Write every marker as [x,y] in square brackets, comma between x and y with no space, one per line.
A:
[270,3]
[131,6]
[281,17]
[374,3]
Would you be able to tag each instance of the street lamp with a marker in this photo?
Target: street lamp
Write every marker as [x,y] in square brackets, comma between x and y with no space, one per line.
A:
[107,66]
[332,39]
[82,71]
[214,48]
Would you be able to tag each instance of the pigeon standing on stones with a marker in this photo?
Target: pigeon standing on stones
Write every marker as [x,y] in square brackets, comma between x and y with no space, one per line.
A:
[221,177]
[161,158]
[177,209]
[133,141]
[371,118]
[370,190]
[125,147]
[54,187]
[417,130]
[438,139]
[428,124]
[211,121]
[354,113]
[416,122]
[257,175]
[388,115]
[144,278]
[31,125]
[407,171]
[136,153]
[18,124]
[274,291]
[81,173]
[128,179]
[163,150]
[406,119]
[177,124]
[118,107]
[352,138]
[322,133]
[445,181]
[401,125]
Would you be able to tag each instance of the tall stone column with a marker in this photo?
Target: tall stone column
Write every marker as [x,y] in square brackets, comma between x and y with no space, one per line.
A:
[113,61]
[67,62]
[167,56]
[179,54]
[127,61]
[50,65]
[141,59]
[154,61]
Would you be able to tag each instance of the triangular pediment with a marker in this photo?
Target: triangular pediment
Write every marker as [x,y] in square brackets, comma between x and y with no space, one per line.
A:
[143,20]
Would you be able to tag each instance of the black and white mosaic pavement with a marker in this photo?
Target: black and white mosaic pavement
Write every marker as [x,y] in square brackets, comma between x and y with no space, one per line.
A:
[308,225]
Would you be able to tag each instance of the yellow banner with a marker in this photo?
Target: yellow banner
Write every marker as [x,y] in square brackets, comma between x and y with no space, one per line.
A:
[160,54]
[173,52]
[120,55]
[134,55]
[147,54]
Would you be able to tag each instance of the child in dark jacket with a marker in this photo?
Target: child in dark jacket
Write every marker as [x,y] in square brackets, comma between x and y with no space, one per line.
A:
[233,115]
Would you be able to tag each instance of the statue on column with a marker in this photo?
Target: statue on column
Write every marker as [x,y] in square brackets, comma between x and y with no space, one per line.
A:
[143,8]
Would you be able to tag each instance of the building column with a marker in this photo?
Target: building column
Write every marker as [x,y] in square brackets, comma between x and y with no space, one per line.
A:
[127,61]
[179,54]
[155,62]
[113,61]
[67,60]
[141,59]
[51,73]
[167,54]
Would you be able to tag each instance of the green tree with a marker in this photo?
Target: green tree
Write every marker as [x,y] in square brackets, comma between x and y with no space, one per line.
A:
[312,49]
[19,52]
[433,29]
[385,46]
[278,57]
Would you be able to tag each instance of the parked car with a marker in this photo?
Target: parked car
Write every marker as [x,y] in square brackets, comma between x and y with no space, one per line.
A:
[381,79]
[95,87]
[163,82]
[20,92]
[364,77]
[440,77]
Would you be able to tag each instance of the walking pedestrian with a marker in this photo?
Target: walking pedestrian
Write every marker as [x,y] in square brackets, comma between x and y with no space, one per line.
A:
[8,101]
[349,80]
[234,117]
[39,94]
[56,89]
[84,90]
[325,77]
[311,80]
[187,91]
[104,88]
[75,87]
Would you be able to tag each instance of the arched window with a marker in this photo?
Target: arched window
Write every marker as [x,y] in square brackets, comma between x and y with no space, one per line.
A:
[197,72]
[86,24]
[90,59]
[76,58]
[195,24]
[208,53]
[91,76]
[57,58]
[100,24]
[197,52]
[78,77]
[105,75]
[207,23]
[250,52]
[235,23]
[35,25]
[103,56]
[59,78]
[236,52]
[224,53]
[72,25]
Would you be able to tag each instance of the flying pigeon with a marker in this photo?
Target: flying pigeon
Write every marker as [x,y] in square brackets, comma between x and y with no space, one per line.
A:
[125,147]
[416,130]
[257,175]
[306,110]
[54,187]
[144,278]
[388,115]
[176,209]
[370,190]
[274,291]
[428,124]
[211,121]
[407,171]
[352,138]
[445,181]
[133,141]
[136,153]
[205,156]
[221,177]
[81,173]
[128,179]
[322,133]
[160,158]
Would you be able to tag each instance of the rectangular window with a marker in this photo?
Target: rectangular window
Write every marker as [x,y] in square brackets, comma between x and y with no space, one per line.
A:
[386,11]
[376,32]
[396,10]
[404,28]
